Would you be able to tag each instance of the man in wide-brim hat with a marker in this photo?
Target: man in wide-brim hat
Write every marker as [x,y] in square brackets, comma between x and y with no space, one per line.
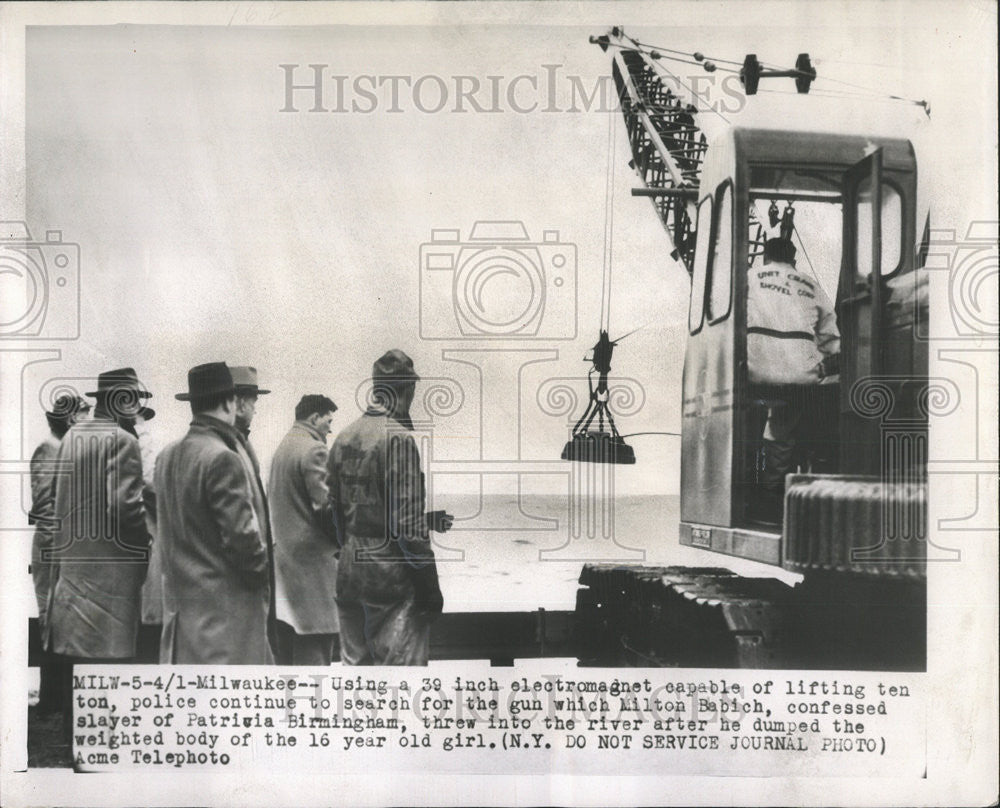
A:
[120,393]
[100,546]
[215,572]
[248,392]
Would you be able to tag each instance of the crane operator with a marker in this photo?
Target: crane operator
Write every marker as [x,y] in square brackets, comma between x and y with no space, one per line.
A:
[792,341]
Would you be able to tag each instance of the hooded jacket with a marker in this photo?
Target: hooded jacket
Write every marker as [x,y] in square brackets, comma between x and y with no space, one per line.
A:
[378,490]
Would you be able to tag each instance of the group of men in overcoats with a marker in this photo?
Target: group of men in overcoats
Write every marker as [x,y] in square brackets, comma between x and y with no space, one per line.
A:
[337,545]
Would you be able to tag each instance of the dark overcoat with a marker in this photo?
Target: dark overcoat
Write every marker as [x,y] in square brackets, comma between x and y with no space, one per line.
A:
[260,506]
[215,566]
[100,544]
[305,548]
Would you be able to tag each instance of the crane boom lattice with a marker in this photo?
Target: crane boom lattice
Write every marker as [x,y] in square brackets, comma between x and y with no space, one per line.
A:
[667,144]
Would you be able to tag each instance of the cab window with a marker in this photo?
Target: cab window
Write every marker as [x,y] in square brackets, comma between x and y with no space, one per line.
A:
[892,229]
[696,310]
[720,267]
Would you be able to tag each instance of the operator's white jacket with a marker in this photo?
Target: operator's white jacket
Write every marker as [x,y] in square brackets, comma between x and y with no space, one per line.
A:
[790,325]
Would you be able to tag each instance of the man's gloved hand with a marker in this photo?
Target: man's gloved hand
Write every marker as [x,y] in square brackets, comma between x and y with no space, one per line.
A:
[430,601]
[439,521]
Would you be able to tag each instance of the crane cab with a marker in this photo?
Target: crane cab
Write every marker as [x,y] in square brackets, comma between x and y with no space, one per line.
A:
[854,200]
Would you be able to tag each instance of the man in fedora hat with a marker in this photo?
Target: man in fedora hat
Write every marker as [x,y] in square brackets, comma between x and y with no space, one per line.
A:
[248,391]
[66,411]
[305,547]
[101,543]
[387,581]
[215,579]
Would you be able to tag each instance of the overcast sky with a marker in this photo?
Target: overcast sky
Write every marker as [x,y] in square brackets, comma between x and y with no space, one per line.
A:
[214,226]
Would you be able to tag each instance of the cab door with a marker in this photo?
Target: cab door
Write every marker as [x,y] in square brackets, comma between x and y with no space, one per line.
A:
[859,310]
[709,368]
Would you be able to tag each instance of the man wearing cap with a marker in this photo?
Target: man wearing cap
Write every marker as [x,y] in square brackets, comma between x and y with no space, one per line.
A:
[66,411]
[792,341]
[247,393]
[215,570]
[305,547]
[101,544]
[387,581]
[792,333]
